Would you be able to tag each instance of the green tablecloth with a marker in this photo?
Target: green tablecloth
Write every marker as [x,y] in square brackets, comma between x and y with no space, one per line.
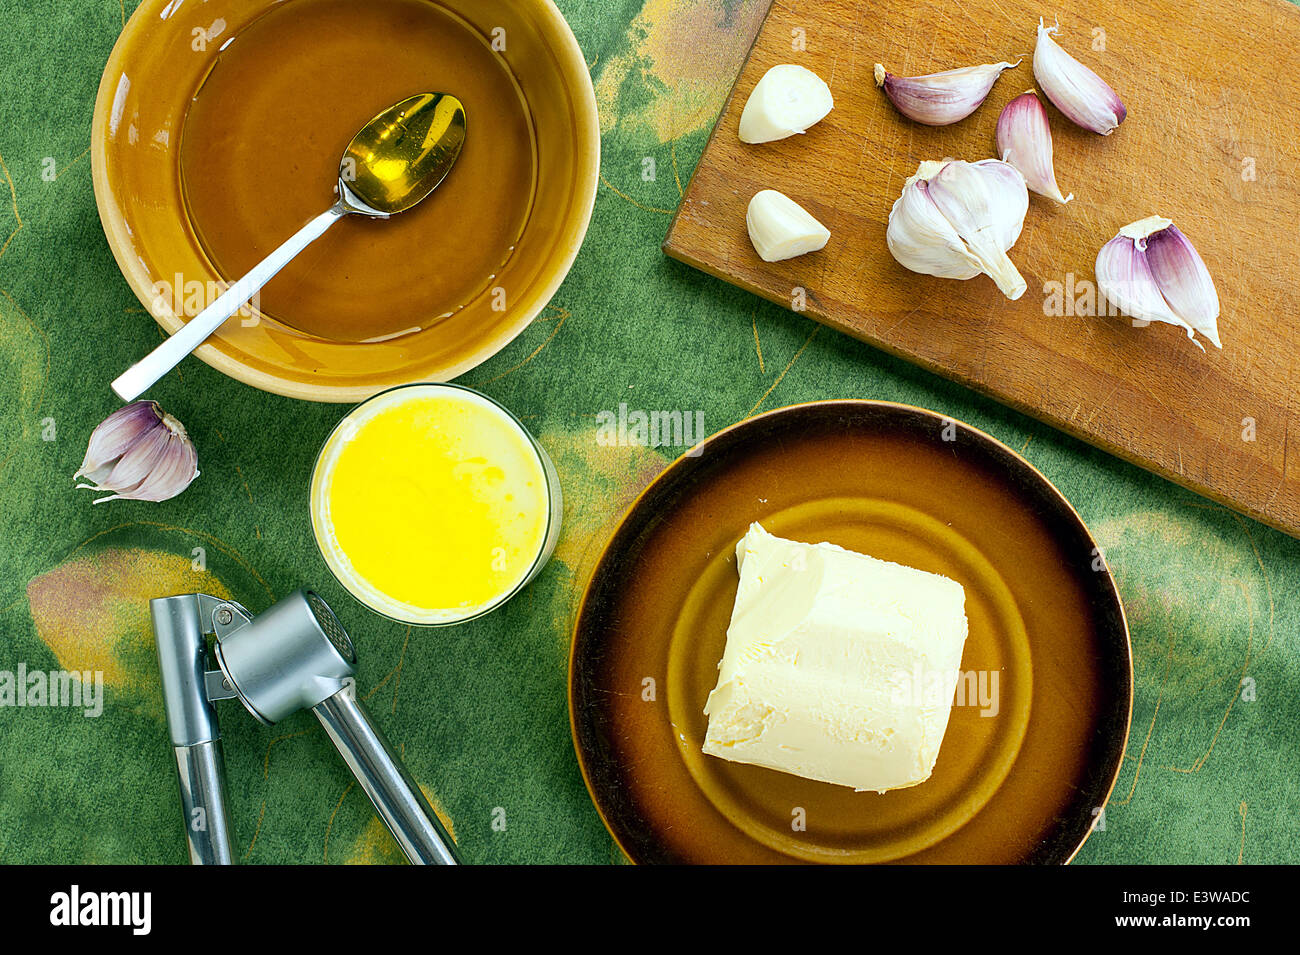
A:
[1211,774]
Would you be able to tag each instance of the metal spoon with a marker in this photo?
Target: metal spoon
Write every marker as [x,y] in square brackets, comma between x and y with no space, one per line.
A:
[397,159]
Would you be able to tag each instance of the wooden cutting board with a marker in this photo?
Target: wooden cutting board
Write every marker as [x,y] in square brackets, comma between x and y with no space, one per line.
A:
[1210,141]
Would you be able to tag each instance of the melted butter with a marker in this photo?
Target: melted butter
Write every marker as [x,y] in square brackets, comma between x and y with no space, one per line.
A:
[436,502]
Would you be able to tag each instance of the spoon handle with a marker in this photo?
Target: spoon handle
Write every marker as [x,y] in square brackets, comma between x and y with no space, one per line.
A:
[139,377]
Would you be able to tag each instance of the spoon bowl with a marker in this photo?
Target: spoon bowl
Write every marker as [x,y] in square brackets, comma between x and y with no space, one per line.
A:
[396,160]
[404,153]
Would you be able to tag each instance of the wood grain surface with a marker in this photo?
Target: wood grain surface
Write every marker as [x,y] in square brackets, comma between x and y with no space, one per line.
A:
[1210,142]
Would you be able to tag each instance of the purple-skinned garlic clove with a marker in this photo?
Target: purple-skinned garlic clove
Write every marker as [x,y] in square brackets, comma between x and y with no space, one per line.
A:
[1184,281]
[1025,141]
[1152,272]
[114,437]
[139,453]
[1079,93]
[941,99]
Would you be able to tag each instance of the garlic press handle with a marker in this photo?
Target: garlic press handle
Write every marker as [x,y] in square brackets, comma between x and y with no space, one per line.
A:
[202,773]
[181,638]
[396,797]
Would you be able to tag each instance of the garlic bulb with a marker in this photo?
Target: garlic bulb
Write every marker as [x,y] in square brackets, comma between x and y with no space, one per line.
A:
[781,229]
[139,453]
[941,99]
[957,219]
[785,102]
[1152,272]
[1078,92]
[1025,141]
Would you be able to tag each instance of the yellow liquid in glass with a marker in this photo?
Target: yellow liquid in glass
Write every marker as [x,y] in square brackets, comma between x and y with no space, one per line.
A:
[430,504]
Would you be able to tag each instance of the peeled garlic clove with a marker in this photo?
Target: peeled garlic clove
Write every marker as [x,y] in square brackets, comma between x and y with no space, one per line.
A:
[1184,281]
[785,102]
[781,229]
[1151,272]
[1025,142]
[941,99]
[985,207]
[1078,92]
[139,453]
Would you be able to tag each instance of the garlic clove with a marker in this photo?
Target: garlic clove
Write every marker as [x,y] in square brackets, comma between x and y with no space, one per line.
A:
[941,99]
[781,229]
[1124,279]
[1025,142]
[1078,92]
[114,437]
[177,467]
[139,453]
[135,466]
[921,239]
[1153,273]
[985,207]
[1010,197]
[956,219]
[785,102]
[1184,281]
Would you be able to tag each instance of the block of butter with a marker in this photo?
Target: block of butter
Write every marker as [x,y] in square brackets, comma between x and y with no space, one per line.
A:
[838,667]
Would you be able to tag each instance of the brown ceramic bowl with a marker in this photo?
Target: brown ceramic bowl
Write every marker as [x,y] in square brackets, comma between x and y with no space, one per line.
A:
[905,485]
[155,70]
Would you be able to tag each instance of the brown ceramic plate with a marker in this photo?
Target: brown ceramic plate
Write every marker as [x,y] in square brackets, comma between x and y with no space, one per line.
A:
[344,62]
[901,484]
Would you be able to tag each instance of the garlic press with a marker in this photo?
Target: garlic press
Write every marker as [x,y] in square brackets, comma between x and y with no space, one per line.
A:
[294,655]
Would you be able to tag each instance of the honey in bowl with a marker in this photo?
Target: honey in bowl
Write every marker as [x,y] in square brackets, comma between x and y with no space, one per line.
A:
[432,504]
[260,149]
